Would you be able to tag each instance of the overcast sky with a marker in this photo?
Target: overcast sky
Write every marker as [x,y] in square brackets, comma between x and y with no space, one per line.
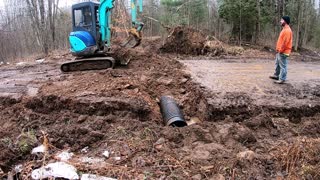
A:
[67,2]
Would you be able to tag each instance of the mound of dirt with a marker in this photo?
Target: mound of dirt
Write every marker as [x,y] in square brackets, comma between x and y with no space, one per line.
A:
[189,41]
[184,40]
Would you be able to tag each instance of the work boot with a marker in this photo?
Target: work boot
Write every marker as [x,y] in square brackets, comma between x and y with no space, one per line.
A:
[274,77]
[280,82]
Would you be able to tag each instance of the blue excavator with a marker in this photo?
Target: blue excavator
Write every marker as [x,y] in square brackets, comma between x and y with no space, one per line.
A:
[90,39]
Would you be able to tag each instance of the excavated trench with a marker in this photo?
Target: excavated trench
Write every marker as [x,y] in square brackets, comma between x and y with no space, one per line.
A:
[88,121]
[242,107]
[118,110]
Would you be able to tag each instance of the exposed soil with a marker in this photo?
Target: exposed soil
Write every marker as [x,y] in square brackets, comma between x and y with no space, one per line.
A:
[248,130]
[185,41]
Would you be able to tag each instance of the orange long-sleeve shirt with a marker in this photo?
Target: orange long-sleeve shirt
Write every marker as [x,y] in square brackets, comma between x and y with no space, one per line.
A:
[284,44]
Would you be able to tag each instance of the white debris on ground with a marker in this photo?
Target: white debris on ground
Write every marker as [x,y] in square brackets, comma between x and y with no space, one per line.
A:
[106,154]
[85,149]
[39,61]
[90,160]
[18,168]
[21,63]
[94,177]
[117,158]
[55,170]
[64,156]
[39,149]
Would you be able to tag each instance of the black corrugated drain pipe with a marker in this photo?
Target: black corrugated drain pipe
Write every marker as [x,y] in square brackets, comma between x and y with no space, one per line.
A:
[171,113]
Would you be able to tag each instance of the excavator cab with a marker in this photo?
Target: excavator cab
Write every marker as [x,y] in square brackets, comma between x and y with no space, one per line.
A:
[85,31]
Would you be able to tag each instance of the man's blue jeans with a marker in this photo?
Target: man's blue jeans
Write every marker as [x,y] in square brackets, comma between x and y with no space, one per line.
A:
[281,66]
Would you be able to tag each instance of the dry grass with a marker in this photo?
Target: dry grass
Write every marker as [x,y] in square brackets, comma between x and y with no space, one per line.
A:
[300,159]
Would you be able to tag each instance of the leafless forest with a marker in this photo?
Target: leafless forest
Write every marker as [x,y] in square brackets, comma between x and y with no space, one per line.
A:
[31,27]
[210,59]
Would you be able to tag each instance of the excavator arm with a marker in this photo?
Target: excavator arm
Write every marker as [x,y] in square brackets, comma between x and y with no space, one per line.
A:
[105,18]
[135,37]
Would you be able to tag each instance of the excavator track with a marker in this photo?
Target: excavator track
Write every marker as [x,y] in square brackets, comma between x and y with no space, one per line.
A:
[95,63]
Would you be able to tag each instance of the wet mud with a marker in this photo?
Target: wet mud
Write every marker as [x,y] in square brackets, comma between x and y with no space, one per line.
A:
[234,133]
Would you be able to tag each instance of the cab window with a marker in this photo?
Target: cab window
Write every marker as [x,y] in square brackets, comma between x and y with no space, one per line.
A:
[83,17]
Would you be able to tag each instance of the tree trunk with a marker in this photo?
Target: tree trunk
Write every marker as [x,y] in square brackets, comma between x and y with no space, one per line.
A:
[240,22]
[34,16]
[298,26]
[283,7]
[257,34]
[50,18]
[43,29]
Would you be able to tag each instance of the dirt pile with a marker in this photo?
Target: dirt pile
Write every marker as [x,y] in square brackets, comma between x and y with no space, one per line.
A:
[189,41]
[184,40]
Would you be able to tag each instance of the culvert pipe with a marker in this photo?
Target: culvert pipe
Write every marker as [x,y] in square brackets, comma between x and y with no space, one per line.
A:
[171,113]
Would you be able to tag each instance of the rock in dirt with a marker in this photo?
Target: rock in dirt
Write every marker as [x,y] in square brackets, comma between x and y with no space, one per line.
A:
[158,145]
[165,81]
[184,80]
[246,155]
[196,177]
[160,141]
[82,118]
[193,120]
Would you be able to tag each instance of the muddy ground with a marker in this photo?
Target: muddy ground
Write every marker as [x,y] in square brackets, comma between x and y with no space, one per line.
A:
[242,125]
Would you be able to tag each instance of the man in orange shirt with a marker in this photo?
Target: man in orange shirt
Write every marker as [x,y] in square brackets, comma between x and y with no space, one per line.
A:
[284,46]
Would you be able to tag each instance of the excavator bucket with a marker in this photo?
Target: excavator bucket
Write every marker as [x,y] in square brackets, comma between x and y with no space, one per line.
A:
[133,40]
